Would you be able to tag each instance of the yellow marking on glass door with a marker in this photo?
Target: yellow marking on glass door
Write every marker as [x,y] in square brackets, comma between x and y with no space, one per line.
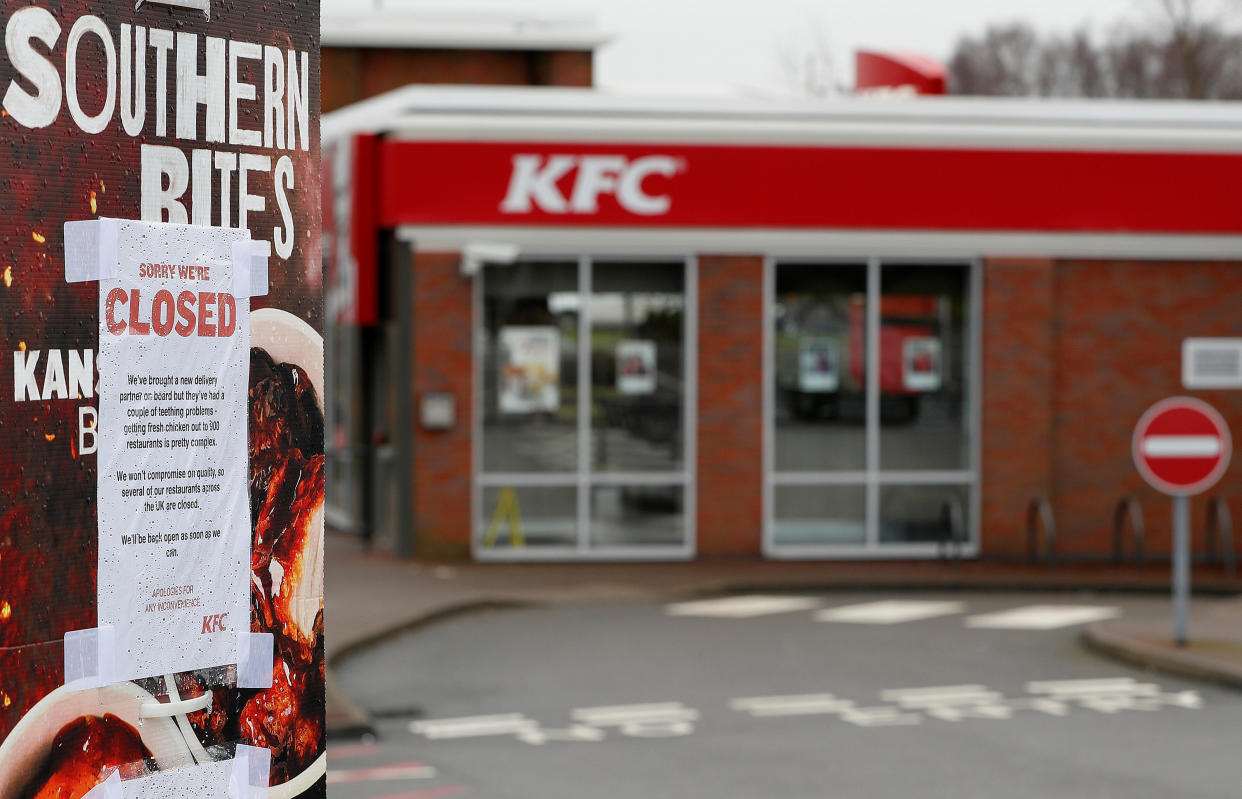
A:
[507,509]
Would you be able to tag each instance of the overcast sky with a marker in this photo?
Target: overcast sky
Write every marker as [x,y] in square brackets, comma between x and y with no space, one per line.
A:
[727,45]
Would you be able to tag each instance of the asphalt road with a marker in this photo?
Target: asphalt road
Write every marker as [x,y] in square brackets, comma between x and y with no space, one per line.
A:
[625,700]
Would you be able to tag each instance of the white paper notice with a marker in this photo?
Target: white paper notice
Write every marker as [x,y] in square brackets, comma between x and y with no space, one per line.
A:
[205,781]
[636,366]
[174,517]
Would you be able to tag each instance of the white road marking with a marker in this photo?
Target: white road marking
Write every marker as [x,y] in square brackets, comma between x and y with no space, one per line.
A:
[742,607]
[1181,446]
[1104,696]
[952,702]
[1186,699]
[793,705]
[908,706]
[474,726]
[617,714]
[1051,707]
[1123,685]
[823,704]
[1042,617]
[939,695]
[892,611]
[882,716]
[578,733]
[654,720]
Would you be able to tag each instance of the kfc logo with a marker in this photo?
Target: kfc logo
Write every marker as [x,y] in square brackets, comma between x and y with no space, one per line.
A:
[215,623]
[536,183]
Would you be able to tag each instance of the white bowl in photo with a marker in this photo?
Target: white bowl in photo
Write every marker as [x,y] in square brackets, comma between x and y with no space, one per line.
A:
[288,339]
[24,752]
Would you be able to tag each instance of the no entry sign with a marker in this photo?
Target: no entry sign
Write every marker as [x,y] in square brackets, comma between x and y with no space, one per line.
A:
[1181,446]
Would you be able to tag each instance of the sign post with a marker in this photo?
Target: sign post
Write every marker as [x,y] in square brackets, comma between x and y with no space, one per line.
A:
[1181,447]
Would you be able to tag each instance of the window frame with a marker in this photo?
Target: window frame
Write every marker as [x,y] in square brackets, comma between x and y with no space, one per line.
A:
[584,479]
[873,477]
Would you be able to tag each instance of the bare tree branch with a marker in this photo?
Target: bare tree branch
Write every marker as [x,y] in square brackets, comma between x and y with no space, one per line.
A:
[805,61]
[1185,49]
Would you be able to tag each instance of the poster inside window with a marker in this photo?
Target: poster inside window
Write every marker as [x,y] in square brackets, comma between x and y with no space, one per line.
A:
[636,367]
[530,369]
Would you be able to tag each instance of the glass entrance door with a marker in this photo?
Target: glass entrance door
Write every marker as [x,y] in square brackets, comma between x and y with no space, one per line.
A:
[586,416]
[872,427]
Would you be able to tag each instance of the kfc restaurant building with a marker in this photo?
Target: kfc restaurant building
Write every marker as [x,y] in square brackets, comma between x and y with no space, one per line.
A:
[602,327]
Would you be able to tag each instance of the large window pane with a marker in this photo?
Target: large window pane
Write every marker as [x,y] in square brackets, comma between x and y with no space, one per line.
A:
[530,367]
[637,314]
[923,514]
[924,368]
[532,364]
[528,517]
[637,515]
[819,515]
[820,367]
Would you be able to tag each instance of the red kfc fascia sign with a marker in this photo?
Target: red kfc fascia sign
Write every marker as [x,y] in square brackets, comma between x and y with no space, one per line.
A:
[812,187]
[535,184]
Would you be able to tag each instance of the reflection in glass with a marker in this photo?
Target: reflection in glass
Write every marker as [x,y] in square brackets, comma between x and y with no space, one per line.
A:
[924,368]
[528,516]
[530,367]
[924,514]
[637,515]
[343,421]
[819,515]
[637,317]
[820,357]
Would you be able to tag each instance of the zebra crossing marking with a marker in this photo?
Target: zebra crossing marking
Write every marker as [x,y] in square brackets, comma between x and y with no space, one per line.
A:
[894,611]
[747,606]
[890,611]
[1042,617]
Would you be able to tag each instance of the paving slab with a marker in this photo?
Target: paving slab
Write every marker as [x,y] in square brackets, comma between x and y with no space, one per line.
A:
[1213,653]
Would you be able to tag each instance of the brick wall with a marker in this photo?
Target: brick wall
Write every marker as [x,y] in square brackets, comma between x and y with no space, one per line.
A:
[1074,352]
[1118,338]
[563,68]
[730,432]
[354,73]
[442,362]
[1018,370]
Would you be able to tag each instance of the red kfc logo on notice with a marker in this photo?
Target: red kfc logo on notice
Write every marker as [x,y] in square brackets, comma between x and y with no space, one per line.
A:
[214,623]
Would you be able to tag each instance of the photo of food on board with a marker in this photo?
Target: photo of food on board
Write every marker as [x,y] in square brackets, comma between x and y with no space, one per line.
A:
[87,135]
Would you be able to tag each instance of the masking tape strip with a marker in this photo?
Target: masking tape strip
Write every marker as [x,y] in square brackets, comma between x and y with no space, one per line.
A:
[91,253]
[91,249]
[255,658]
[108,789]
[252,766]
[90,658]
[250,268]
[153,710]
[245,776]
